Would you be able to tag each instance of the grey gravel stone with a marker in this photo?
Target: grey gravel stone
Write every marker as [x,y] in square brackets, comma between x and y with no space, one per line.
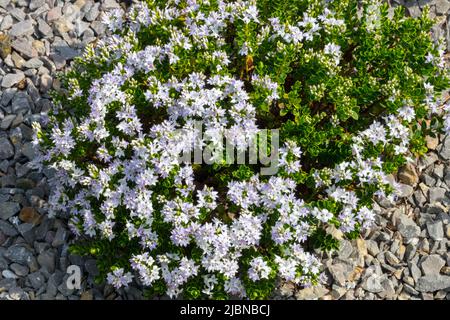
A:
[21,28]
[6,122]
[404,190]
[9,209]
[8,274]
[19,254]
[93,13]
[436,230]
[19,269]
[12,79]
[47,260]
[431,283]
[340,272]
[372,284]
[6,284]
[37,280]
[391,258]
[44,28]
[437,195]
[345,249]
[33,63]
[60,237]
[8,229]
[407,227]
[24,47]
[20,102]
[432,264]
[372,247]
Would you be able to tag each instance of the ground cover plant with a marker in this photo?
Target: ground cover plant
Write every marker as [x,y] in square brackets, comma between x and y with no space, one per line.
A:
[351,88]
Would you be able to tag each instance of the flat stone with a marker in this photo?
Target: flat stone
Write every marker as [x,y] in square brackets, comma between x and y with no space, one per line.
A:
[388,291]
[345,249]
[439,171]
[8,274]
[391,258]
[53,14]
[21,28]
[419,198]
[372,247]
[19,269]
[340,272]
[44,28]
[407,227]
[428,159]
[66,52]
[404,190]
[28,150]
[24,47]
[373,284]
[436,230]
[47,260]
[431,283]
[9,209]
[6,122]
[408,175]
[8,229]
[12,79]
[37,280]
[21,102]
[60,237]
[46,83]
[432,264]
[19,254]
[93,13]
[436,195]
[98,27]
[34,63]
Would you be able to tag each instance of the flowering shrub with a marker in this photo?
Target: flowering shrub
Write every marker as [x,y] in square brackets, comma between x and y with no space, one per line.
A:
[349,86]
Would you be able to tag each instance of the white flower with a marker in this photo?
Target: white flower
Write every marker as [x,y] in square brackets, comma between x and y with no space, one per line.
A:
[118,278]
[407,113]
[259,269]
[333,50]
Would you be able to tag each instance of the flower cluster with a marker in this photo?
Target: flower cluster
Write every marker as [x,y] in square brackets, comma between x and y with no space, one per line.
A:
[348,109]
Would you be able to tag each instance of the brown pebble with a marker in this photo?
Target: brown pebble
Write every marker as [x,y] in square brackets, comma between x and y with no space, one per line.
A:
[30,215]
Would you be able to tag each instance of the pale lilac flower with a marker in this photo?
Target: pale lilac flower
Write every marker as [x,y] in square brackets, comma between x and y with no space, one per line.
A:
[259,269]
[118,278]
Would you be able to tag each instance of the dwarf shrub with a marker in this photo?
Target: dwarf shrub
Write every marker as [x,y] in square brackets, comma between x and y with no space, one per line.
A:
[347,88]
